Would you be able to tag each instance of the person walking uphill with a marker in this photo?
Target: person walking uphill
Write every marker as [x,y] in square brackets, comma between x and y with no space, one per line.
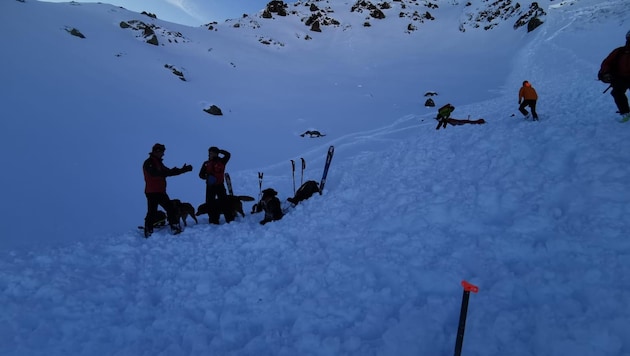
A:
[155,173]
[527,96]
[213,171]
[615,70]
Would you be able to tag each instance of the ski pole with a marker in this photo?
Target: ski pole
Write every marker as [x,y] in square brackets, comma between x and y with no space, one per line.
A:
[303,168]
[604,92]
[293,174]
[462,316]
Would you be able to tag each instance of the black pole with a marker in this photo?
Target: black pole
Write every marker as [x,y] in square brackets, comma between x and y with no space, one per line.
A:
[293,174]
[604,92]
[260,180]
[462,316]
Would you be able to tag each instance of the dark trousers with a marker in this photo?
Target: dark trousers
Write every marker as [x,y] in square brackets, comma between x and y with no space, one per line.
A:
[162,199]
[532,106]
[619,94]
[217,203]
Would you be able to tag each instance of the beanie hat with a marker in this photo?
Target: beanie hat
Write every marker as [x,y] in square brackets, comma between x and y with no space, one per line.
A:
[158,147]
[213,149]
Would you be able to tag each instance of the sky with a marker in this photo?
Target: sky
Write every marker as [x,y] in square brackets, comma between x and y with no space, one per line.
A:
[189,12]
[533,213]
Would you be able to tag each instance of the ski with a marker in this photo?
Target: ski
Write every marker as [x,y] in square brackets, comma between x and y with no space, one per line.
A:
[293,174]
[260,181]
[228,181]
[329,156]
[303,168]
[157,226]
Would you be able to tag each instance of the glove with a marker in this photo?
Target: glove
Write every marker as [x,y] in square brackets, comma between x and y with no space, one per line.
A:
[186,168]
[606,78]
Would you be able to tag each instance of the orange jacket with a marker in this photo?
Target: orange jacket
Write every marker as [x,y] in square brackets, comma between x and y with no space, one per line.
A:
[527,93]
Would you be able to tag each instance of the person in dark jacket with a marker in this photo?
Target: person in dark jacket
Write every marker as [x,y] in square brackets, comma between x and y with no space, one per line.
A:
[527,96]
[271,205]
[615,70]
[155,173]
[213,172]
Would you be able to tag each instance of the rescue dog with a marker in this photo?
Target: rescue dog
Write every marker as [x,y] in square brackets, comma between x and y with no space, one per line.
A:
[305,191]
[313,133]
[235,206]
[183,210]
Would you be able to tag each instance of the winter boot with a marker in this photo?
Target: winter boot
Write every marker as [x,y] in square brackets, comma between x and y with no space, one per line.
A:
[148,230]
[176,229]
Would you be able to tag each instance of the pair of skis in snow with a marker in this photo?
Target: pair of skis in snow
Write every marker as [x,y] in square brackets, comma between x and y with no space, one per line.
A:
[329,156]
[301,174]
[322,182]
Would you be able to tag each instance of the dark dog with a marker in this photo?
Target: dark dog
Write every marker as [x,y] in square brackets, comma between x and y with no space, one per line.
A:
[305,191]
[183,210]
[235,206]
[313,134]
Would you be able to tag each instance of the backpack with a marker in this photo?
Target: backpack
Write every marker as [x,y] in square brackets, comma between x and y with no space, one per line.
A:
[445,111]
[305,191]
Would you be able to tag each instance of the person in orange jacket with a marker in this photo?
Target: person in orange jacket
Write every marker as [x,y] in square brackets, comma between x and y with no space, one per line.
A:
[527,96]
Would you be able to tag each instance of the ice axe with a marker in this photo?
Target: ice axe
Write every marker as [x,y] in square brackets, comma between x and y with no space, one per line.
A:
[462,316]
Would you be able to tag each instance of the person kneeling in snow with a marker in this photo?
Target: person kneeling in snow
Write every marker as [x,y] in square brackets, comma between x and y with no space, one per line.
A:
[271,205]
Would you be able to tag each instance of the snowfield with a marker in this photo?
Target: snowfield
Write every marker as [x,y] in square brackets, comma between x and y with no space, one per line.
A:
[534,213]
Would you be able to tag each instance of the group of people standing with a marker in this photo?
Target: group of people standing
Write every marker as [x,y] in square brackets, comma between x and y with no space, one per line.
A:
[615,70]
[212,172]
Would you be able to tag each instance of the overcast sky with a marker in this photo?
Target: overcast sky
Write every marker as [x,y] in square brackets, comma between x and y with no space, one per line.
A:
[190,12]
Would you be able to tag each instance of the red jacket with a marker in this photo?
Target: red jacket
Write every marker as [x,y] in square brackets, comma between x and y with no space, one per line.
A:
[617,63]
[215,168]
[155,173]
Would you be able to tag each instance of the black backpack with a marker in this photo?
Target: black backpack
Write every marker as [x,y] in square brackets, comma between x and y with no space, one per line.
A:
[305,191]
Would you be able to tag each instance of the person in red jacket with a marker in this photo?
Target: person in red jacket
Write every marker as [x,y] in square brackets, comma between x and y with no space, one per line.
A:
[213,172]
[527,96]
[615,70]
[155,173]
